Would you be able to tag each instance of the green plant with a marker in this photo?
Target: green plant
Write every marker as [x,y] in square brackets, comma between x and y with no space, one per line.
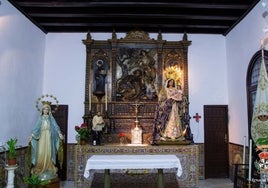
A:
[83,131]
[12,148]
[262,143]
[34,181]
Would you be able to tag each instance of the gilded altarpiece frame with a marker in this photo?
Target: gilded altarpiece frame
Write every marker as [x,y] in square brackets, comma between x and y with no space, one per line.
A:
[132,72]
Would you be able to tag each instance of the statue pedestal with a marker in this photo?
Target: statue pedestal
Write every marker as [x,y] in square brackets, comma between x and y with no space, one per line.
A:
[55,183]
[11,169]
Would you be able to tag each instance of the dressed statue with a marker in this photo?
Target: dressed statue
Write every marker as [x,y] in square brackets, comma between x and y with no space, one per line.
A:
[167,120]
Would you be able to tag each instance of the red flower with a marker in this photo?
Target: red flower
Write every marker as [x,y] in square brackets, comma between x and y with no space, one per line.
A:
[263,155]
[121,134]
[82,130]
[83,125]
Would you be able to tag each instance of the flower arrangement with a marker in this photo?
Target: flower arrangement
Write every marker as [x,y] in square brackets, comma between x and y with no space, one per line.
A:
[83,131]
[122,138]
[173,72]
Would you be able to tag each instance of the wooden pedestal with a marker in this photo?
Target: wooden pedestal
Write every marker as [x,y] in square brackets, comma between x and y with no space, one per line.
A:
[55,183]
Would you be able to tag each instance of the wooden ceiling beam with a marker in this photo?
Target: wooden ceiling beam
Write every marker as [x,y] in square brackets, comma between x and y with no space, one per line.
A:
[124,4]
[128,28]
[136,16]
[134,24]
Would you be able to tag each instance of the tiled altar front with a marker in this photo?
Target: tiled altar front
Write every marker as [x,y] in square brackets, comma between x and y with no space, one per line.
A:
[188,155]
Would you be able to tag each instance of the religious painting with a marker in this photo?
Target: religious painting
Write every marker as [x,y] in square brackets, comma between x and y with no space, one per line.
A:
[136,74]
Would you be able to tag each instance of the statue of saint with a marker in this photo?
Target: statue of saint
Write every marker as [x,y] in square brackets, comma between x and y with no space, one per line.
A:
[97,126]
[100,72]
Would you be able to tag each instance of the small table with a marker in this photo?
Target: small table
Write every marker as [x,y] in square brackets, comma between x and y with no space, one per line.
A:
[107,162]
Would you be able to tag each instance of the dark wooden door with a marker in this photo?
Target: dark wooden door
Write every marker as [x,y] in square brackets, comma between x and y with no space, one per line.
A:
[216,141]
[61,117]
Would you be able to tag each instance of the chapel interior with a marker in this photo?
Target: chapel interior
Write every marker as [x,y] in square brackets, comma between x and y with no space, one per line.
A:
[118,58]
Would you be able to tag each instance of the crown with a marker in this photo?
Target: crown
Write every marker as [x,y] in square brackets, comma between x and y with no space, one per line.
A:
[45,102]
[48,103]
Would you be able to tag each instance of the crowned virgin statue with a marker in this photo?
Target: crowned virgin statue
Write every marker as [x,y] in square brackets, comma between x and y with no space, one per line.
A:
[45,142]
[167,120]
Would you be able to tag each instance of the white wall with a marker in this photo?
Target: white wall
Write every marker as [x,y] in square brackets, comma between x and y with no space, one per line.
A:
[241,44]
[66,58]
[21,73]
[207,77]
[65,63]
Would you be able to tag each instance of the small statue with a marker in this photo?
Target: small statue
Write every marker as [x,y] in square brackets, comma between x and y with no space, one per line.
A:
[97,126]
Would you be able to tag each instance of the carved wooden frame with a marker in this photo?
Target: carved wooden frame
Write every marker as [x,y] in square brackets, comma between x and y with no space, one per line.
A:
[119,114]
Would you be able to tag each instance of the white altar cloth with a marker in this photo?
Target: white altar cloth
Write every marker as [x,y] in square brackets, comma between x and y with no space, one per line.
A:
[132,162]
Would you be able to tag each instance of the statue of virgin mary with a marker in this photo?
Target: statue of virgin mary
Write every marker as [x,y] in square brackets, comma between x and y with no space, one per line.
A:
[167,120]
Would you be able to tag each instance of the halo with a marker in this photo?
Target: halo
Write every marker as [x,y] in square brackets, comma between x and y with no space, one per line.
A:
[41,99]
[99,62]
[173,72]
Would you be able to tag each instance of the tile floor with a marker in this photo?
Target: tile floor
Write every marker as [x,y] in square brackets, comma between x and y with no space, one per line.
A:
[208,183]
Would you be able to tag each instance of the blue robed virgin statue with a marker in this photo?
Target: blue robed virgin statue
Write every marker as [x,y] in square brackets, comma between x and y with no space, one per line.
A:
[45,141]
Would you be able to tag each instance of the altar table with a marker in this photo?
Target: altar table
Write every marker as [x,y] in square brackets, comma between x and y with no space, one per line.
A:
[187,154]
[107,162]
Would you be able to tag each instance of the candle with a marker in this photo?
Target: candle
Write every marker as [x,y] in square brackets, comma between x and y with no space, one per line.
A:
[106,97]
[244,150]
[249,160]
[89,96]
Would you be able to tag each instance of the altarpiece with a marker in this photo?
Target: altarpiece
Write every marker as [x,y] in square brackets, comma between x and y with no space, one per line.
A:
[124,77]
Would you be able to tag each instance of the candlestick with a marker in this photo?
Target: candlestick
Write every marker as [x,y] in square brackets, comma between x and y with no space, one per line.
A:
[244,150]
[106,97]
[249,160]
[89,96]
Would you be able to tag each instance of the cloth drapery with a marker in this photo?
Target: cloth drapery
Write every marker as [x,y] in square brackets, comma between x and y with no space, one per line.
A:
[132,162]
